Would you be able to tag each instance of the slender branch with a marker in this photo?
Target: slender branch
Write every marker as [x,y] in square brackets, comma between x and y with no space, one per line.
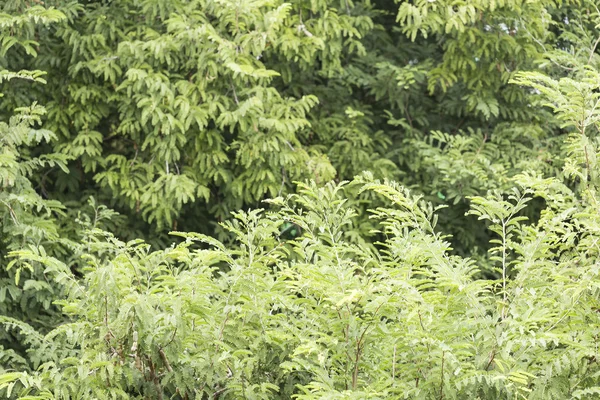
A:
[593,50]
[492,356]
[13,216]
[283,180]
[442,377]
[163,357]
[171,340]
[394,363]
[237,102]
[504,244]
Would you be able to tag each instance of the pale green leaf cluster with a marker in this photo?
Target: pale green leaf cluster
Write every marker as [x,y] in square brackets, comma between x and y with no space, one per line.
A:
[321,317]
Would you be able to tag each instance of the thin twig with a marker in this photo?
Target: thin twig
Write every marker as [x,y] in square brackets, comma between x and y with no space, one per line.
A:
[13,216]
[442,378]
[593,50]
[237,102]
[492,356]
[394,362]
[282,181]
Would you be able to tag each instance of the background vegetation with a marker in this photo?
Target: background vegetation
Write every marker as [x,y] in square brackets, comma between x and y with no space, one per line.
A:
[418,179]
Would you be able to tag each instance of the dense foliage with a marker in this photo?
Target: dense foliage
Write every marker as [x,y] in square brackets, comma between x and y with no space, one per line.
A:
[419,182]
[178,112]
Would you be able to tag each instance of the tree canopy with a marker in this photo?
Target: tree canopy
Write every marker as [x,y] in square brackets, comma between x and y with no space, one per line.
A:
[310,199]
